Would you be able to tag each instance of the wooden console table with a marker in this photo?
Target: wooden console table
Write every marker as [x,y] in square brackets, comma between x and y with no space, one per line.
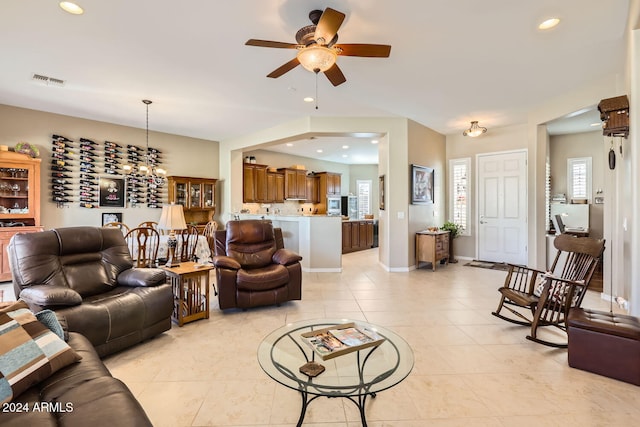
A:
[432,246]
[190,291]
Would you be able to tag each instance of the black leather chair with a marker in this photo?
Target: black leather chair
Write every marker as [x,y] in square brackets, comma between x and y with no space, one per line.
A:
[252,266]
[86,275]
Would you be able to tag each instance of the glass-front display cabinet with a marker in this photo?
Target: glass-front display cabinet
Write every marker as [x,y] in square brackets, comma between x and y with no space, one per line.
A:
[196,195]
[19,201]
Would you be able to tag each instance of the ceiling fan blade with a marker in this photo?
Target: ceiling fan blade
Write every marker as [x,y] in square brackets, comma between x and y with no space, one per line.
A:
[328,25]
[284,68]
[269,43]
[335,76]
[367,50]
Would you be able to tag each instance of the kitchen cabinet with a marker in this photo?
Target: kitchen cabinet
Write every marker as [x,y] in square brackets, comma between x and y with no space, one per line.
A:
[312,189]
[295,183]
[333,184]
[432,246]
[19,201]
[330,183]
[196,195]
[254,183]
[356,236]
[275,187]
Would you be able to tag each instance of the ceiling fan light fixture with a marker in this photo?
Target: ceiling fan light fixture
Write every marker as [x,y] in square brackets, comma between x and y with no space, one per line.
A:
[317,58]
[474,130]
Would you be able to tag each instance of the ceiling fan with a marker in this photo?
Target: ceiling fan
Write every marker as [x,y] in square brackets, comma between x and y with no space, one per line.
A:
[317,48]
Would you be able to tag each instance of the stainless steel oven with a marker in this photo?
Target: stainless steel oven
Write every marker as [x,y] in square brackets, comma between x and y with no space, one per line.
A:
[334,205]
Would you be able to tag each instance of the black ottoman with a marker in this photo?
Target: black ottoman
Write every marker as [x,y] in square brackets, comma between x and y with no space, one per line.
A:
[605,344]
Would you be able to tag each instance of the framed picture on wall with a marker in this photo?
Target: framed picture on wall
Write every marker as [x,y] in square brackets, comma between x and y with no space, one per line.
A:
[111,217]
[421,185]
[381,192]
[112,192]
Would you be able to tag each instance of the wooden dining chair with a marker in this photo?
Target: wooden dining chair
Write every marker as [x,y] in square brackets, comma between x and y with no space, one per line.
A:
[121,225]
[537,298]
[151,224]
[143,243]
[208,233]
[187,242]
[210,228]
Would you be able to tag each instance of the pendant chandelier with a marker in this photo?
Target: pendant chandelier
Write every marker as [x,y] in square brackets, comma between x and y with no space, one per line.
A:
[149,171]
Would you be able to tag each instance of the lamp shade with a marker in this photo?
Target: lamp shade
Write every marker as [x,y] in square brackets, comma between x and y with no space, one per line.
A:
[317,58]
[172,218]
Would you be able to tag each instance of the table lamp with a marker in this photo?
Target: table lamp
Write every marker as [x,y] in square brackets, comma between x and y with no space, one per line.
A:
[172,219]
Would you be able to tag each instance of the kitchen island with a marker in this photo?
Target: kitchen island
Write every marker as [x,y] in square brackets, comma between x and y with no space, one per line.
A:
[317,238]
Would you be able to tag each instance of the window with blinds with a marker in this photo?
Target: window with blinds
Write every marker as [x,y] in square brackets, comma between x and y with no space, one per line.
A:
[579,178]
[459,196]
[364,197]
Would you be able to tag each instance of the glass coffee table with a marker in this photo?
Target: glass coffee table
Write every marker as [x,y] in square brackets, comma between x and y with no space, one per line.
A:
[354,376]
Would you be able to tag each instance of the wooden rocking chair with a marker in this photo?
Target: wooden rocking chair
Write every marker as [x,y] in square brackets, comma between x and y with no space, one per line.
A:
[537,298]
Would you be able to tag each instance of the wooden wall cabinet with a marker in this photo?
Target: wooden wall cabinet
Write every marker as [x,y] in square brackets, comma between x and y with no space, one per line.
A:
[295,183]
[275,187]
[356,236]
[254,183]
[19,201]
[333,184]
[432,247]
[196,195]
[312,189]
[329,185]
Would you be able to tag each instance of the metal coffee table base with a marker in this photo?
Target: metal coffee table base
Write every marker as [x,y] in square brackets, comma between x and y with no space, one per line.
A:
[359,403]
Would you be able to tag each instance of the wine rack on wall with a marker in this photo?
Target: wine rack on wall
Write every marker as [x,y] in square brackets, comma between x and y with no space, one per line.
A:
[76,168]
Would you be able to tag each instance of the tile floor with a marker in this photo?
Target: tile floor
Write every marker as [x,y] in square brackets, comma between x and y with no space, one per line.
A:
[471,368]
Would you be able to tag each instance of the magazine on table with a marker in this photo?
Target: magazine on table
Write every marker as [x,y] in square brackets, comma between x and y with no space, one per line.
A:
[341,339]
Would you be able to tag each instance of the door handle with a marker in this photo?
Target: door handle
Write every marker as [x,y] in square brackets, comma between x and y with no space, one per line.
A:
[481,222]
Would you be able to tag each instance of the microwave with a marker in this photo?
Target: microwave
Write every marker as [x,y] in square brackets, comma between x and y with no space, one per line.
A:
[334,205]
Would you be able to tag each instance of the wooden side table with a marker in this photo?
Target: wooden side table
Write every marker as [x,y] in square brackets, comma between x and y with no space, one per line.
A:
[190,291]
[432,246]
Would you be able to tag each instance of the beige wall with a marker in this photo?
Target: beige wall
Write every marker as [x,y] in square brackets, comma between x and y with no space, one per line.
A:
[496,140]
[586,144]
[365,172]
[426,148]
[182,156]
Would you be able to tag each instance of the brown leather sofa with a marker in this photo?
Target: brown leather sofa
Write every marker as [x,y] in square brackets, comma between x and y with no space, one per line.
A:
[86,275]
[82,394]
[253,268]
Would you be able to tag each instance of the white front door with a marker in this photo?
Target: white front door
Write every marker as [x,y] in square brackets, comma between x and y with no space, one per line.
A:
[502,207]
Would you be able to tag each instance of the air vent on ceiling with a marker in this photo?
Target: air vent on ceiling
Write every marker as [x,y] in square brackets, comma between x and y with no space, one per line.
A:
[49,81]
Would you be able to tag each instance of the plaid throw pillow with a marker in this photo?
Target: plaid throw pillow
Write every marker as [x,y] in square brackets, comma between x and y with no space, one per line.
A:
[29,351]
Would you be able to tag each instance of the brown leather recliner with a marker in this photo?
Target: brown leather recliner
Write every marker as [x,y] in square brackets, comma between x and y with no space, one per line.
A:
[252,266]
[86,275]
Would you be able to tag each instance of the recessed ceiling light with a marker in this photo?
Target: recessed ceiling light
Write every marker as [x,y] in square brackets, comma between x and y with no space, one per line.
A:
[308,99]
[289,144]
[71,8]
[319,150]
[549,23]
[374,141]
[345,155]
[345,146]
